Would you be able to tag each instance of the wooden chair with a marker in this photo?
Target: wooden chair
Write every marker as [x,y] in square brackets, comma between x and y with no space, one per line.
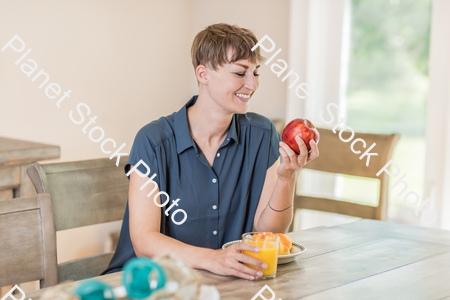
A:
[83,193]
[27,241]
[279,125]
[337,157]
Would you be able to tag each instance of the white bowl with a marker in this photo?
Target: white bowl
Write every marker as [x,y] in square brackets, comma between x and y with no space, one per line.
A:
[296,250]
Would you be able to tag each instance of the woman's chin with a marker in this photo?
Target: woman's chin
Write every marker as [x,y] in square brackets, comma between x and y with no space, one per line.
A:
[242,109]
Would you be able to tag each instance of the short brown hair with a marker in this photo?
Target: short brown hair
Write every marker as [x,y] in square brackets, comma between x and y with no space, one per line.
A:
[211,45]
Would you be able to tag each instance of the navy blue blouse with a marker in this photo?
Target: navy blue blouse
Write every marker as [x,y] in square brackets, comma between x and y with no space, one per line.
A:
[220,202]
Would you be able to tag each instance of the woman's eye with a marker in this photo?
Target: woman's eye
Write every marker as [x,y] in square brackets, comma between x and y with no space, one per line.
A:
[243,74]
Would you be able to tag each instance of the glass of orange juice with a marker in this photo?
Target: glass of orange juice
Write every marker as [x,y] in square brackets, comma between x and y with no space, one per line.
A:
[267,242]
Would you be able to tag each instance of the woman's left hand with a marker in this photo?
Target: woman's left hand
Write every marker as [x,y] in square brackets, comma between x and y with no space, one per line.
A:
[293,162]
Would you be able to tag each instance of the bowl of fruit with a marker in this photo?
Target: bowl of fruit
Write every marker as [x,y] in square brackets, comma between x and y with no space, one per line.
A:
[287,249]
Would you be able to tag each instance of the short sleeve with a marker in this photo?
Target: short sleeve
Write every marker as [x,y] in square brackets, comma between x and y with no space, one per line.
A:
[143,153]
[275,140]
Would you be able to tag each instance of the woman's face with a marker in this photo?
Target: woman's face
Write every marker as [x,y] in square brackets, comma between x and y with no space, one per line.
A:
[233,84]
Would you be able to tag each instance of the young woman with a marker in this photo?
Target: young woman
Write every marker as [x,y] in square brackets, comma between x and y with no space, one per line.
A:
[218,161]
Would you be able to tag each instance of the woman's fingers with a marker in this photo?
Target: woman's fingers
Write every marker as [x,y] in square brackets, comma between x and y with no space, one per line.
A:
[239,256]
[242,275]
[314,150]
[251,261]
[244,246]
[294,161]
[290,155]
[303,151]
[247,270]
[284,155]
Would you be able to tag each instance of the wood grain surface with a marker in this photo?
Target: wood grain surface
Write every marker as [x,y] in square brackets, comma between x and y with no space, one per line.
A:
[15,156]
[17,152]
[27,241]
[367,259]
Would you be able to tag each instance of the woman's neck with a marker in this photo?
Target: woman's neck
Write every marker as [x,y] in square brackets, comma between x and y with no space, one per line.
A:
[208,123]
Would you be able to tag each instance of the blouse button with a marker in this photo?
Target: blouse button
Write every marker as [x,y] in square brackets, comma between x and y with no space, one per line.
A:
[214,207]
[218,154]
[214,232]
[214,180]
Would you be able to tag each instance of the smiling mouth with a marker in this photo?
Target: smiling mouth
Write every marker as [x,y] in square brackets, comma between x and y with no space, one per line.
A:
[244,97]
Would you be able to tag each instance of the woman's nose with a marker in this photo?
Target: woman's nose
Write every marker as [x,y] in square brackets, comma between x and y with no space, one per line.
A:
[252,82]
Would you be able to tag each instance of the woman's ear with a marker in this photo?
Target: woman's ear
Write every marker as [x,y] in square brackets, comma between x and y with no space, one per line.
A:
[202,74]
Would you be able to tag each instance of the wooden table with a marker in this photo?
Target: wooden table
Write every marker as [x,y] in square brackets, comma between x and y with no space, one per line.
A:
[15,156]
[363,260]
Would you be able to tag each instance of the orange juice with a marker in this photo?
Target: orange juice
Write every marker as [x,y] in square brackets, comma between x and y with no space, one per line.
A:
[268,253]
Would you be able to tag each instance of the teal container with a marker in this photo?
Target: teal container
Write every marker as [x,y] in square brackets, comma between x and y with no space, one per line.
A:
[95,290]
[141,277]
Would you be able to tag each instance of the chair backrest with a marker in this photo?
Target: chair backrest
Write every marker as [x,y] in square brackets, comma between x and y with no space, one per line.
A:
[83,193]
[279,125]
[27,241]
[336,156]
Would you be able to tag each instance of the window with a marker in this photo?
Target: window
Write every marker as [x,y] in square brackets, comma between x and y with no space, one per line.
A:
[388,87]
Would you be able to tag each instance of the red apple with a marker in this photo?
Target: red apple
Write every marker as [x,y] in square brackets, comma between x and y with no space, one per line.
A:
[302,127]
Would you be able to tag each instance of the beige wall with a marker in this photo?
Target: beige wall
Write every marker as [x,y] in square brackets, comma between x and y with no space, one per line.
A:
[262,17]
[128,61]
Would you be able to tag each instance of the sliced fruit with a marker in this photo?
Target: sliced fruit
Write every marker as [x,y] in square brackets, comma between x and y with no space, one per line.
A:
[262,236]
[285,240]
[270,235]
[283,250]
[257,236]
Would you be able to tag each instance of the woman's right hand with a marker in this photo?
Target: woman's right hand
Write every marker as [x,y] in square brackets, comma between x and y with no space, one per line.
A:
[230,261]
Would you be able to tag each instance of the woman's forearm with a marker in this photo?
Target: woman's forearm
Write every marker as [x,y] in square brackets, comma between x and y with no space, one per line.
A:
[154,243]
[276,216]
